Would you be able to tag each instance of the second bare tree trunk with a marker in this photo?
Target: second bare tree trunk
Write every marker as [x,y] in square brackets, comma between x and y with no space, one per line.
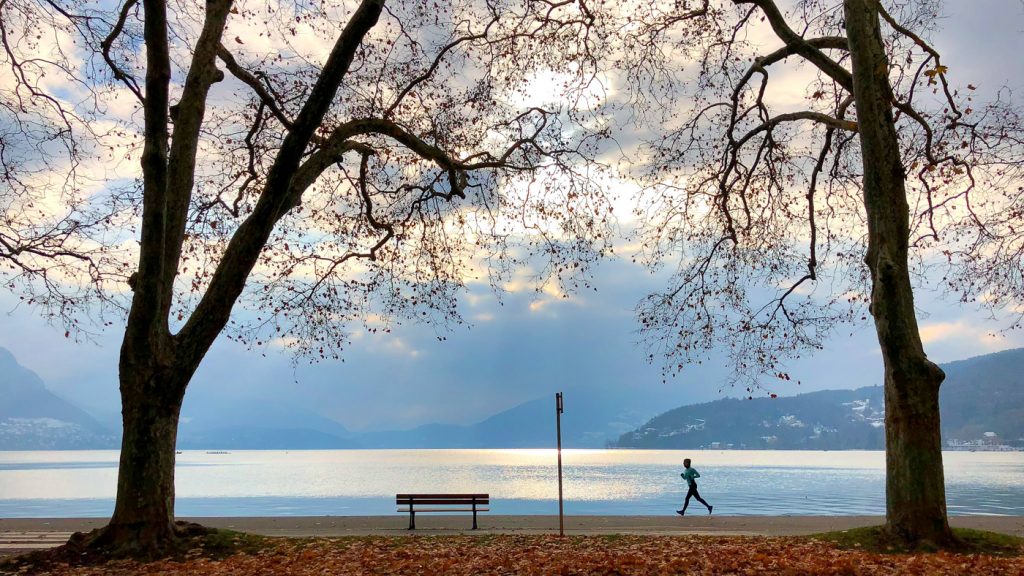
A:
[915,488]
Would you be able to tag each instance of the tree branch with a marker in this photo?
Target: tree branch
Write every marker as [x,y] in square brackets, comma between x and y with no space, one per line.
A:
[188,117]
[801,46]
[818,117]
[214,309]
[251,81]
[145,322]
[108,42]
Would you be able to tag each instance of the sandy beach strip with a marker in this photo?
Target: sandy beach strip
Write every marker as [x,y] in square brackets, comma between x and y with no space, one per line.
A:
[22,533]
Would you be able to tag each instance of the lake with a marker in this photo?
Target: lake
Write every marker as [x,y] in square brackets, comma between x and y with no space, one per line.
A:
[618,482]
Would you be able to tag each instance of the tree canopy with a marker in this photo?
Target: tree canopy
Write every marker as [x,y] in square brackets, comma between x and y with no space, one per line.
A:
[439,160]
[754,184]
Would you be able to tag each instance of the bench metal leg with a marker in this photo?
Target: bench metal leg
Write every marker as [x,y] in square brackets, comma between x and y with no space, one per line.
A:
[412,520]
[474,514]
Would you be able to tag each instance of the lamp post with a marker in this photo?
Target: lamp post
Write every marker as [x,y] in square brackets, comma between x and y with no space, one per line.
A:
[558,431]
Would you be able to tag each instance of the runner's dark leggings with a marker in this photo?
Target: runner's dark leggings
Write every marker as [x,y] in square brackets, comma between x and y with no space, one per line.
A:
[693,492]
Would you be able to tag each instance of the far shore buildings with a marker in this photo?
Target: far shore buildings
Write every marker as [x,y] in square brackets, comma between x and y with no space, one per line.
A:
[989,442]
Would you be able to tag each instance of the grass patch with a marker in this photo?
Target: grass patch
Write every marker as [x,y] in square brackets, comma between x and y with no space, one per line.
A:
[994,543]
[877,539]
[219,543]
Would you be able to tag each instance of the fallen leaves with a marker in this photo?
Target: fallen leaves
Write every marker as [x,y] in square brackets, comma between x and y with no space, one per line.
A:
[574,555]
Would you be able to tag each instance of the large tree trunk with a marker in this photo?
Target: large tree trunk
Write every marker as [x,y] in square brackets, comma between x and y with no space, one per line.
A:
[144,511]
[915,489]
[152,389]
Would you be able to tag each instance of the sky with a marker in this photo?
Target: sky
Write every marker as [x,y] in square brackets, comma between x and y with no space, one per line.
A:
[530,345]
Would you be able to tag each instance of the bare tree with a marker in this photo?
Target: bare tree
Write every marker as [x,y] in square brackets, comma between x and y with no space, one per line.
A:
[319,173]
[790,212]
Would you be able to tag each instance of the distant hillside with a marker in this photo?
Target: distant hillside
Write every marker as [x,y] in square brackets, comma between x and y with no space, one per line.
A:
[33,418]
[980,395]
[825,420]
[984,394]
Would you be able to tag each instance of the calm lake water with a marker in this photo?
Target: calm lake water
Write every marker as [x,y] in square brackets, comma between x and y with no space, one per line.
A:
[364,482]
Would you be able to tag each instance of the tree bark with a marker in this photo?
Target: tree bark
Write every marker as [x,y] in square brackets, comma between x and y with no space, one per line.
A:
[151,398]
[915,488]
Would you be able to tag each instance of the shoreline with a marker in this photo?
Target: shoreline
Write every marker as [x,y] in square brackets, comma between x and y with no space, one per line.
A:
[21,534]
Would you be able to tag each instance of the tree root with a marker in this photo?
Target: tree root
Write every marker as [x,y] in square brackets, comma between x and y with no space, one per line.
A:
[947,541]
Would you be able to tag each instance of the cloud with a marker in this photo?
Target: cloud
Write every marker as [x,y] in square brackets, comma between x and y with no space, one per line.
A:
[931,333]
[524,345]
[965,337]
[396,345]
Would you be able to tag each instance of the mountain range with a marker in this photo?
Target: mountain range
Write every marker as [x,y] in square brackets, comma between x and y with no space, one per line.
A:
[33,418]
[982,399]
[981,403]
[594,419]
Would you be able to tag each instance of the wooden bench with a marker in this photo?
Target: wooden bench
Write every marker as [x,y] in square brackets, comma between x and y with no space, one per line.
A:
[441,503]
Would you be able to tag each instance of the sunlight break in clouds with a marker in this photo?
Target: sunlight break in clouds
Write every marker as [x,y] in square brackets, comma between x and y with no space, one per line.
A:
[971,333]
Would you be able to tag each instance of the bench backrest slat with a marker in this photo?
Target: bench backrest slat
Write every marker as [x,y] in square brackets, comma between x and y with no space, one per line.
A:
[467,496]
[434,499]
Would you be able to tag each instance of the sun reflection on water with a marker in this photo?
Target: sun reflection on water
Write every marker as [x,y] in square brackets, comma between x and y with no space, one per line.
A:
[613,481]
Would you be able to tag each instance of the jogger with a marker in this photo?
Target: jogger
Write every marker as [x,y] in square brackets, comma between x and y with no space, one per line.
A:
[691,475]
